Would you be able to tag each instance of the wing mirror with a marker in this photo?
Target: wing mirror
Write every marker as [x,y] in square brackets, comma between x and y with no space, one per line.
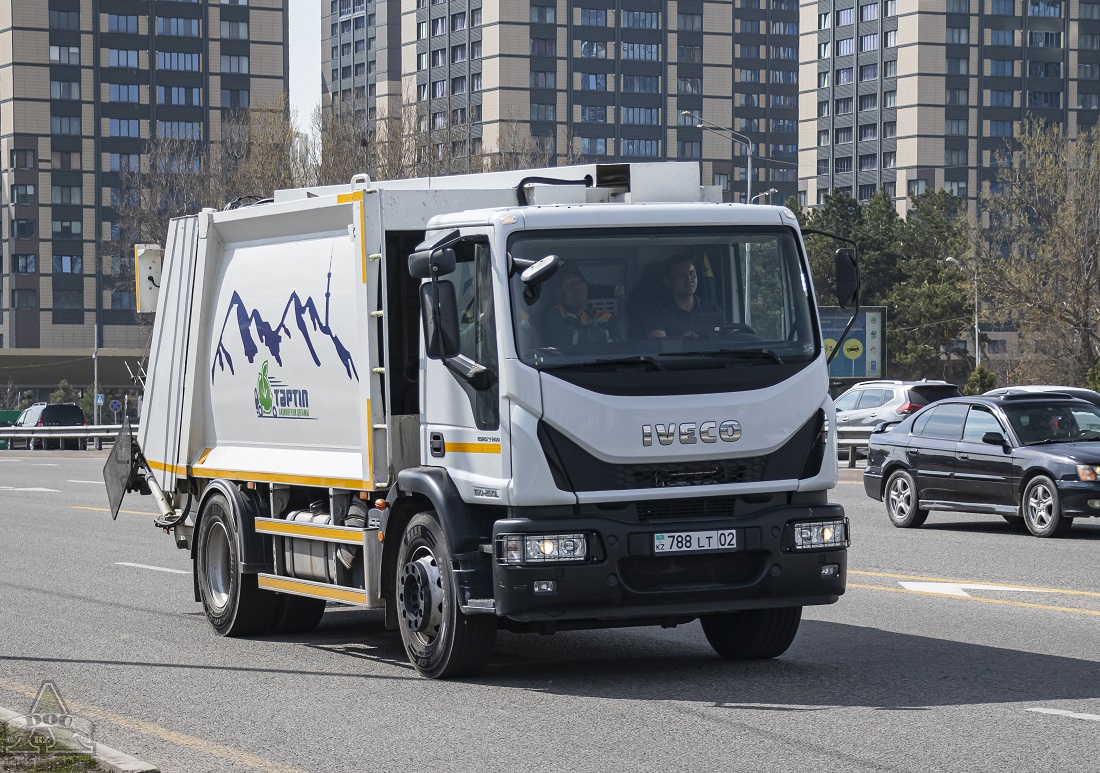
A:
[847,278]
[994,439]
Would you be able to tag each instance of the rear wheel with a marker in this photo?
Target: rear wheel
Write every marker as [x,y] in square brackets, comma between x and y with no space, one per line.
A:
[440,640]
[1015,520]
[234,604]
[902,501]
[1042,509]
[755,634]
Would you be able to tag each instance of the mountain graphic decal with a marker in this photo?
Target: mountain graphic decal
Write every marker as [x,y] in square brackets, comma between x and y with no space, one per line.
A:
[255,331]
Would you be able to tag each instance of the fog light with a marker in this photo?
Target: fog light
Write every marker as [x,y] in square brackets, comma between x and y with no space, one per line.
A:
[545,586]
[820,534]
[541,548]
[830,570]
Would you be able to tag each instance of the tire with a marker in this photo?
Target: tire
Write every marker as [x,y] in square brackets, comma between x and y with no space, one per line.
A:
[901,501]
[439,639]
[234,604]
[297,614]
[1042,509]
[1014,520]
[755,634]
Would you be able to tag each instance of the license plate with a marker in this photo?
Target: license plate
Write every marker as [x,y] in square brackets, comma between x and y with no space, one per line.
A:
[694,541]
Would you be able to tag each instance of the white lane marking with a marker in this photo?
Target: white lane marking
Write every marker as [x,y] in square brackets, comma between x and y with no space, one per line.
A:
[957,588]
[154,568]
[97,482]
[44,464]
[15,488]
[1069,714]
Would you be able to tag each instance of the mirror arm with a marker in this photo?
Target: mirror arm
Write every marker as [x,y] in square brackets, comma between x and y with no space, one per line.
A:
[476,375]
[855,311]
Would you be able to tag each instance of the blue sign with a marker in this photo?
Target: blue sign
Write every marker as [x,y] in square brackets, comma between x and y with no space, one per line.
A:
[99,399]
[864,348]
[115,406]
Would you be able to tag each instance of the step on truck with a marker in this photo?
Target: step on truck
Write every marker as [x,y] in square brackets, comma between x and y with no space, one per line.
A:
[543,400]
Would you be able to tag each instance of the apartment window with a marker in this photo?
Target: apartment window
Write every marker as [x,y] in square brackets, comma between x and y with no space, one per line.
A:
[890,8]
[475,49]
[641,84]
[590,17]
[824,21]
[642,148]
[593,49]
[845,16]
[544,47]
[956,127]
[955,157]
[421,30]
[543,79]
[868,12]
[842,164]
[997,98]
[25,264]
[868,102]
[689,22]
[956,187]
[747,100]
[1088,101]
[891,38]
[458,85]
[1002,7]
[1002,38]
[439,57]
[1044,8]
[122,58]
[750,26]
[64,55]
[542,14]
[689,54]
[124,127]
[1089,41]
[822,138]
[67,90]
[784,101]
[125,162]
[184,130]
[646,52]
[22,194]
[843,105]
[593,81]
[65,159]
[70,20]
[842,135]
[959,66]
[115,23]
[1087,72]
[65,124]
[68,264]
[458,54]
[66,194]
[889,99]
[868,162]
[542,112]
[823,166]
[843,76]
[1090,11]
[868,42]
[475,82]
[235,64]
[458,21]
[235,98]
[822,108]
[24,299]
[593,114]
[868,72]
[824,50]
[1045,39]
[122,299]
[1000,128]
[689,149]
[890,69]
[689,85]
[594,146]
[956,96]
[422,60]
[845,46]
[170,25]
[646,20]
[868,132]
[889,129]
[439,26]
[748,124]
[958,6]
[692,118]
[917,187]
[889,159]
[646,116]
[66,229]
[823,80]
[234,30]
[866,192]
[750,52]
[174,60]
[958,35]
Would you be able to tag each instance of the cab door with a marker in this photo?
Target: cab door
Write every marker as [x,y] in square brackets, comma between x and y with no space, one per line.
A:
[462,423]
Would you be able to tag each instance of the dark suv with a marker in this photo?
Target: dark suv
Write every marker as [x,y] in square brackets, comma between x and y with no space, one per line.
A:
[53,415]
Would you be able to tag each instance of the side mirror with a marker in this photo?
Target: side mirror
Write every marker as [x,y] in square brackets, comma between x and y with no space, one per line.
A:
[994,439]
[847,278]
[535,272]
[425,264]
[880,428]
[439,313]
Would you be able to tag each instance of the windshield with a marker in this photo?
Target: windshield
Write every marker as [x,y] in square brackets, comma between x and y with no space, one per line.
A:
[672,299]
[1054,423]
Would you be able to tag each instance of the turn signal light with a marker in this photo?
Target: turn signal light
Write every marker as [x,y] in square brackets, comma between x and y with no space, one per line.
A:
[541,548]
[1088,472]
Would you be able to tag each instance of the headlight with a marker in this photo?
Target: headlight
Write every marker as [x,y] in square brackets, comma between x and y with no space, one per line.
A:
[820,534]
[541,548]
[1088,472]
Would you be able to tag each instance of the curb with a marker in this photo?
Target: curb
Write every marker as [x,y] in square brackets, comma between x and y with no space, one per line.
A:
[106,757]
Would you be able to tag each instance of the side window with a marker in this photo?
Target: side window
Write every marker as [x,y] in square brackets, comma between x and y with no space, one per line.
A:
[946,422]
[922,421]
[473,280]
[847,401]
[872,398]
[979,421]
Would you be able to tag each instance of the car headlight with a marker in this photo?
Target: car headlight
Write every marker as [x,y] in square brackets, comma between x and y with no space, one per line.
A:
[815,535]
[541,548]
[1088,471]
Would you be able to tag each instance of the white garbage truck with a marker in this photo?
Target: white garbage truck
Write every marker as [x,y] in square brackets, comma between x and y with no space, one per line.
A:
[576,397]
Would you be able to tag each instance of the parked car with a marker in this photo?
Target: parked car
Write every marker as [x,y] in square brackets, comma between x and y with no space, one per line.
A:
[1087,395]
[1030,458]
[53,415]
[870,402]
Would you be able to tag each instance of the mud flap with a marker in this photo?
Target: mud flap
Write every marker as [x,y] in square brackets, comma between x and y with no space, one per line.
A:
[119,471]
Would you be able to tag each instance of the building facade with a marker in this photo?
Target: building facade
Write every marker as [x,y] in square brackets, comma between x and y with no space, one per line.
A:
[597,80]
[910,96]
[84,84]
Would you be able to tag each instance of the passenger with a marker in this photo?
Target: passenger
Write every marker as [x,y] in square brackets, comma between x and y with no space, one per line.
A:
[681,313]
[573,320]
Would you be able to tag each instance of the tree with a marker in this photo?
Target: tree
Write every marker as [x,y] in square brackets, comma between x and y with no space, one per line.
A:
[981,380]
[842,215]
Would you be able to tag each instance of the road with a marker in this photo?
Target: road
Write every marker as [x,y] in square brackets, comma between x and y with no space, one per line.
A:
[888,679]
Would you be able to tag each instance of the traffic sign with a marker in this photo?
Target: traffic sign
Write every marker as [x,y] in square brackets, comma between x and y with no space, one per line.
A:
[853,349]
[99,399]
[115,406]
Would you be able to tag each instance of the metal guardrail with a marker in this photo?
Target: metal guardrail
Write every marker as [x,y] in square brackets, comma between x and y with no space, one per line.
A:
[30,435]
[853,438]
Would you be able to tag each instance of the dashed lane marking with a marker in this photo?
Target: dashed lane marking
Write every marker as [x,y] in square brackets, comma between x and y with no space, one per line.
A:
[107,510]
[97,482]
[1067,714]
[957,581]
[153,568]
[1003,602]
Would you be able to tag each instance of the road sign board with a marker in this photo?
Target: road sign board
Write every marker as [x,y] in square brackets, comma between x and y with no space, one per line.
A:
[863,347]
[115,406]
[99,399]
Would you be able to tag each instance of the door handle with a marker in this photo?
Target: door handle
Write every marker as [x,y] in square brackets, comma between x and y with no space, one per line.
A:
[436,446]
[964,456]
[914,452]
[873,415]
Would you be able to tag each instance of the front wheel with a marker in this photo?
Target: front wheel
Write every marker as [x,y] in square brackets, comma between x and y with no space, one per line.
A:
[440,640]
[902,500]
[755,634]
[1042,509]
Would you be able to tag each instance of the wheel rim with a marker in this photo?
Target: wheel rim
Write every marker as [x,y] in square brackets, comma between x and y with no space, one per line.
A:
[900,498]
[421,596]
[217,565]
[1040,506]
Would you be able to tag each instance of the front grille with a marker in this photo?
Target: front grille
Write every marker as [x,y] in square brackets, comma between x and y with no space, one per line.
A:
[703,507]
[702,572]
[672,475]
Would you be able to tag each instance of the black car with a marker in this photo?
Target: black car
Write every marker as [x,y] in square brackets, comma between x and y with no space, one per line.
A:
[1031,458]
[53,415]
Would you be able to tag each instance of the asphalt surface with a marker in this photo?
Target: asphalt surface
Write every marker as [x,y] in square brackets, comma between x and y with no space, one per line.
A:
[887,679]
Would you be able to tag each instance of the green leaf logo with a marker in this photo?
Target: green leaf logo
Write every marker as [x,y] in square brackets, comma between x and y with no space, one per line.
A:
[263,390]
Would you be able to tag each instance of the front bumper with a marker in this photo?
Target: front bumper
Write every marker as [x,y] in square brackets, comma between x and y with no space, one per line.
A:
[1074,496]
[623,580]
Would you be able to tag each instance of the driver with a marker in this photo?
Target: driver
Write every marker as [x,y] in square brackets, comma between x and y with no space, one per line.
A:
[573,320]
[678,313]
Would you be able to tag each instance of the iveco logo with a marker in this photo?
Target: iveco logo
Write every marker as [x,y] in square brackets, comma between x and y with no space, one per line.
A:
[689,433]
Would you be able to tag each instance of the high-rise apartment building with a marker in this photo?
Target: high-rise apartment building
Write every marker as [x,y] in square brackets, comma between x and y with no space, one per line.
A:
[909,96]
[607,80]
[84,84]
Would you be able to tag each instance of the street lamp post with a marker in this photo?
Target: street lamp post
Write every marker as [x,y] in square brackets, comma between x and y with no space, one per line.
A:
[977,339]
[709,126]
[768,192]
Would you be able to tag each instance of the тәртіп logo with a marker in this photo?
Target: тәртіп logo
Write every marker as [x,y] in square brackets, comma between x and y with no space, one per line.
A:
[276,400]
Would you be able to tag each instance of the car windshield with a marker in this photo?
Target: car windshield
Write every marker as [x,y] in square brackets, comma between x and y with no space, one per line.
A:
[666,300]
[1054,422]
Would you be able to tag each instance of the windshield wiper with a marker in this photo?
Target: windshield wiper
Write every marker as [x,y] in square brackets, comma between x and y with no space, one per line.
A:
[639,359]
[733,354]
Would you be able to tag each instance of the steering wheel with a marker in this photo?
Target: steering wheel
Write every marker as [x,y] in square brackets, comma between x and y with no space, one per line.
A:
[737,327]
